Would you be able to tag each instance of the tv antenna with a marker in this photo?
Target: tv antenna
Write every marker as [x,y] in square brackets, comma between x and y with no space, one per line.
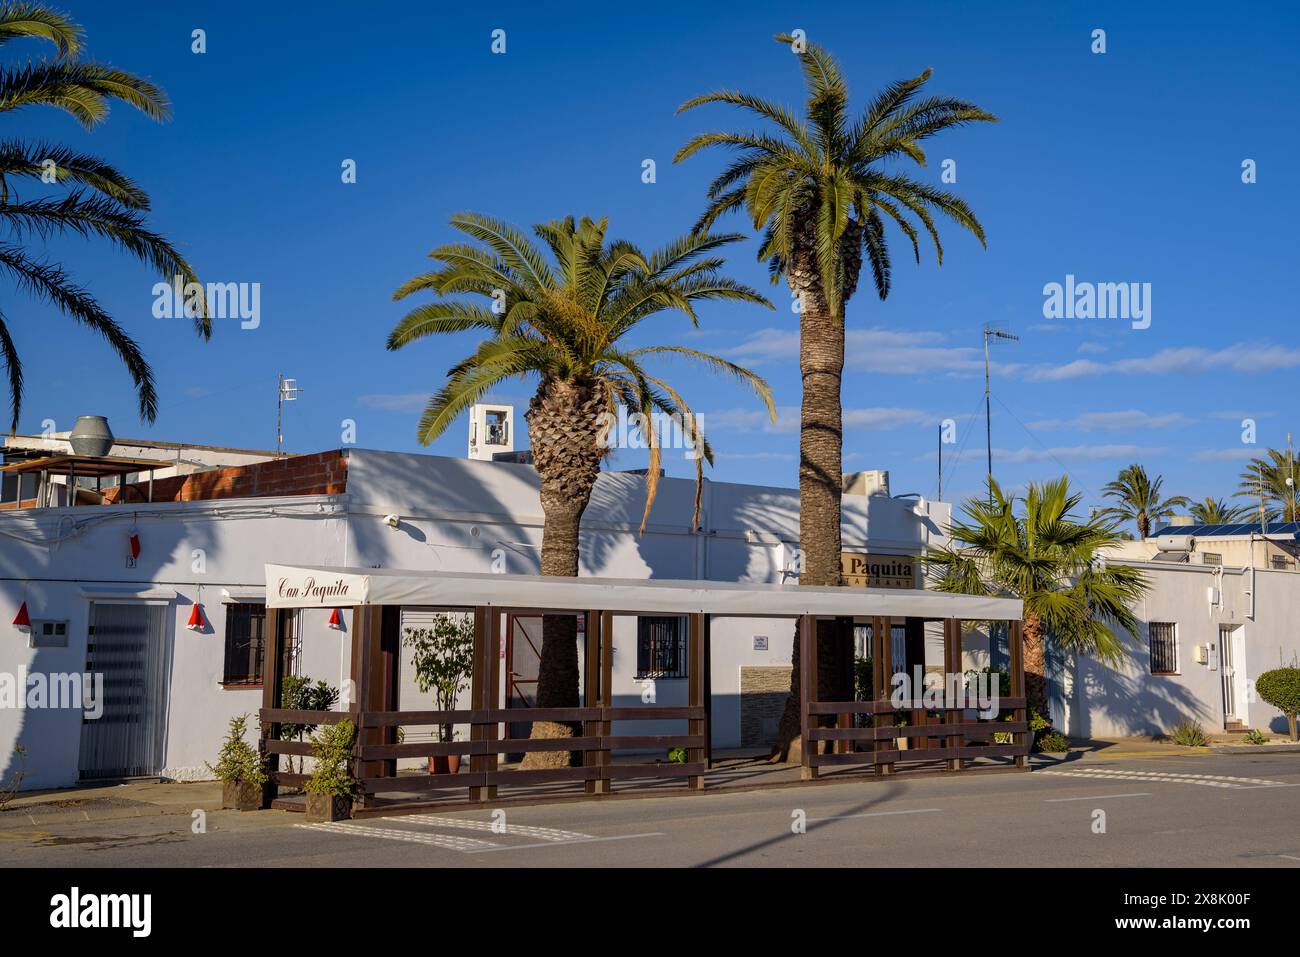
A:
[287,392]
[991,332]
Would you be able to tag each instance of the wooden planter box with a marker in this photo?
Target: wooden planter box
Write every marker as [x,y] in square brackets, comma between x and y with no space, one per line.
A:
[241,795]
[322,808]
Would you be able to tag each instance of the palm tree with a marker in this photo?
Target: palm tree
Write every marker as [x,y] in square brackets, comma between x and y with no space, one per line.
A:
[564,319]
[821,188]
[1139,499]
[100,201]
[1266,481]
[1215,511]
[1045,556]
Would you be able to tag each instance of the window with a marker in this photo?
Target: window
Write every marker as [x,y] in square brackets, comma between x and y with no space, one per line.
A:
[1163,638]
[245,630]
[1211,558]
[1279,562]
[661,647]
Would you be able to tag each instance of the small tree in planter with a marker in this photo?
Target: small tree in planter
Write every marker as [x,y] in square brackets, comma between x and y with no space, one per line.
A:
[443,658]
[331,785]
[1281,688]
[299,694]
[240,769]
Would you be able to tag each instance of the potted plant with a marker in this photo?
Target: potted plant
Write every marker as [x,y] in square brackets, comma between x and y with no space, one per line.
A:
[299,694]
[240,769]
[331,785]
[901,741]
[443,659]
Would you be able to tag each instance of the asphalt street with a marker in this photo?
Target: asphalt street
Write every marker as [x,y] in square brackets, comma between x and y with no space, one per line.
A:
[1208,810]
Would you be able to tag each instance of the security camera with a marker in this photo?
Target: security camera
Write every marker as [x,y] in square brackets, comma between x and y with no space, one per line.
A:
[392,521]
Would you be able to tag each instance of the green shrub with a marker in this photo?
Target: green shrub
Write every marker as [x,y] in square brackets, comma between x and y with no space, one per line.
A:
[1256,737]
[1281,688]
[237,761]
[1053,741]
[332,750]
[1189,734]
[677,755]
[443,658]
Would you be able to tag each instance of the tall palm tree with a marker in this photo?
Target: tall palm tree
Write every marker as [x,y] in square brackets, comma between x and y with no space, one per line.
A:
[98,201]
[821,187]
[564,319]
[1265,480]
[1215,511]
[1037,550]
[1139,499]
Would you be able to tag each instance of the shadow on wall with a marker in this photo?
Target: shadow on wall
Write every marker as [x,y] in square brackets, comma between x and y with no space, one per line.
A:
[1107,701]
[52,737]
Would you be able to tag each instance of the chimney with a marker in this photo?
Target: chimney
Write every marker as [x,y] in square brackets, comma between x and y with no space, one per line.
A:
[871,482]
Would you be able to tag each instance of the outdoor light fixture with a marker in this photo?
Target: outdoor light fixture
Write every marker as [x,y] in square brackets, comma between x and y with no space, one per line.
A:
[392,521]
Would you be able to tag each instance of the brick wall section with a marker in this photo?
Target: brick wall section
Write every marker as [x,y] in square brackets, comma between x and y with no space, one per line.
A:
[763,690]
[325,473]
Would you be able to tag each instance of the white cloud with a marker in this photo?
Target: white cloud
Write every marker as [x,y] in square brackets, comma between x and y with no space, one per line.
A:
[1070,453]
[878,418]
[1115,421]
[1188,360]
[1242,453]
[883,351]
[1093,347]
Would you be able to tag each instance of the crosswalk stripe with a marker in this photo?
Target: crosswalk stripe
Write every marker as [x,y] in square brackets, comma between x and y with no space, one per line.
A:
[523,830]
[451,841]
[1166,777]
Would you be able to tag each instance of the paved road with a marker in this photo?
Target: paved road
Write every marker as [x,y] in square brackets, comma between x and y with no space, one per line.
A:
[1184,811]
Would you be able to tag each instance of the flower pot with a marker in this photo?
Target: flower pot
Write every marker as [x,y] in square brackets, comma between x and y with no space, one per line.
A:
[445,764]
[322,808]
[241,795]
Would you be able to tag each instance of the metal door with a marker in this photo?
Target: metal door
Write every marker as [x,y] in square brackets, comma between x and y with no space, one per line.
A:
[127,645]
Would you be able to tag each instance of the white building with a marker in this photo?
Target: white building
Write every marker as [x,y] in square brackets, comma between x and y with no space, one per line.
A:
[171,690]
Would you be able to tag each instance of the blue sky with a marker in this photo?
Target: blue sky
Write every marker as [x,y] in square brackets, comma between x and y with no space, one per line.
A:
[1115,167]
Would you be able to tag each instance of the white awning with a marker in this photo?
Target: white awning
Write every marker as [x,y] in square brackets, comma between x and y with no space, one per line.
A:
[307,586]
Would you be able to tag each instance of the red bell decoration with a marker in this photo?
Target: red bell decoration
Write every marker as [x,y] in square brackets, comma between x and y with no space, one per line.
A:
[336,620]
[22,619]
[196,618]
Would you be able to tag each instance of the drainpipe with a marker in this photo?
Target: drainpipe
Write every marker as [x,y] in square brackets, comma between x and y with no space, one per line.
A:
[1251,613]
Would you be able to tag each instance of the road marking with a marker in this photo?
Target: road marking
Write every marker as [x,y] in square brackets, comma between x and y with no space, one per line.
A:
[1289,857]
[850,817]
[1100,797]
[585,840]
[1164,777]
[524,830]
[450,841]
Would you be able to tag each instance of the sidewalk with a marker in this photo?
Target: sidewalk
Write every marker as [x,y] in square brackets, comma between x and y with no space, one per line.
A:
[111,802]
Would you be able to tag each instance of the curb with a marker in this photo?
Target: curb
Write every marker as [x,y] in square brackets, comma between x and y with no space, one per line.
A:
[16,817]
[1257,749]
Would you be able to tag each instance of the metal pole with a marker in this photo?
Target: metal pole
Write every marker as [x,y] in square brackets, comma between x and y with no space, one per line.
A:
[988,415]
[279,407]
[940,496]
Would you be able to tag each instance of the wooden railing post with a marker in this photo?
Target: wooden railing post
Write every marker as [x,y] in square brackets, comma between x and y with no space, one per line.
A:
[272,681]
[695,681]
[479,702]
[882,661]
[591,690]
[606,693]
[807,695]
[1016,649]
[952,666]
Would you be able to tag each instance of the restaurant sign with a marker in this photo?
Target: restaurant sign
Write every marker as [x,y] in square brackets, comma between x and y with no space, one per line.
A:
[861,570]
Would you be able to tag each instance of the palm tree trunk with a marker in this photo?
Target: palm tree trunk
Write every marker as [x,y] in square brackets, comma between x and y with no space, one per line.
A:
[1035,655]
[564,422]
[821,363]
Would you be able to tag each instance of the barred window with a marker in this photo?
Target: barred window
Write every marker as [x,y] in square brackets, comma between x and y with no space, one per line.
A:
[1212,558]
[661,646]
[245,631]
[1163,638]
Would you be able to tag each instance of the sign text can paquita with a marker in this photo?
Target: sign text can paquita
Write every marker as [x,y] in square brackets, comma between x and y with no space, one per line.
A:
[861,570]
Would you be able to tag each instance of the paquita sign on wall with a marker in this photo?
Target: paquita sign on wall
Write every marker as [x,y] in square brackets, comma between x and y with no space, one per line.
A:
[861,570]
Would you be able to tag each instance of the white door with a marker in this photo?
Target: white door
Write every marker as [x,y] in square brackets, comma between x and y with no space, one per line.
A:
[1231,652]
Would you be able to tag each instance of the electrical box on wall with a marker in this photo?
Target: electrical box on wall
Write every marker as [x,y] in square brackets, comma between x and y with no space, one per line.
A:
[1201,654]
[48,634]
